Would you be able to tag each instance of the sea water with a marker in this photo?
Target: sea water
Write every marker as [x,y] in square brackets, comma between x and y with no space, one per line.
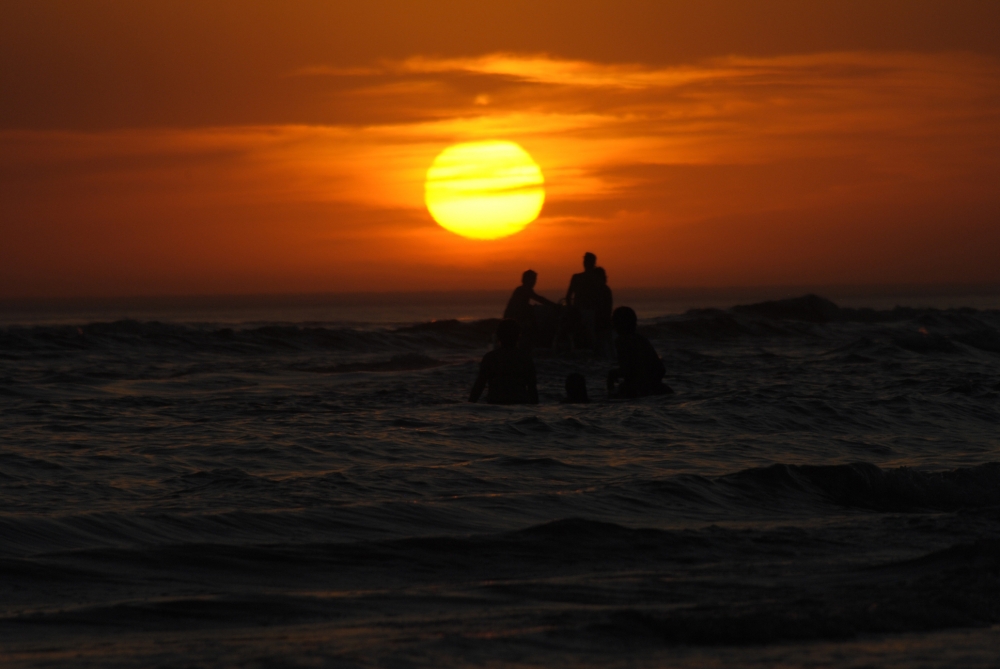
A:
[822,489]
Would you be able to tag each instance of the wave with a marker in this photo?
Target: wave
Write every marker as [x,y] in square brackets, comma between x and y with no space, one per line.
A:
[925,331]
[812,489]
[398,363]
[815,309]
[250,340]
[641,585]
[809,308]
[319,507]
[866,486]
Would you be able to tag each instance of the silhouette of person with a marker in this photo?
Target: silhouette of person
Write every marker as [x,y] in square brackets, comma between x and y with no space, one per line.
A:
[602,314]
[582,296]
[576,389]
[519,308]
[639,367]
[508,371]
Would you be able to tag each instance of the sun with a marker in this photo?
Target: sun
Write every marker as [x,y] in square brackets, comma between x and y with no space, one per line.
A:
[484,190]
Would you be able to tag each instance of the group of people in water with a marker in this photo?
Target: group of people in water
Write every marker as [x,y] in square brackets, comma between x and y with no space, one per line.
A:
[507,373]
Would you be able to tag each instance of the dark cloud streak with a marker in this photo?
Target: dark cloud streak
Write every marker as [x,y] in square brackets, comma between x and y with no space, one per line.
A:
[103,64]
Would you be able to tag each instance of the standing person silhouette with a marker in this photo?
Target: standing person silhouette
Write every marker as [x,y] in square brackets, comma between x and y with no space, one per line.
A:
[582,296]
[602,315]
[519,308]
[639,367]
[508,371]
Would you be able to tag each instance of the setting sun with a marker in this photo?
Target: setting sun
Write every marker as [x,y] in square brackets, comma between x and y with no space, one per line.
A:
[484,190]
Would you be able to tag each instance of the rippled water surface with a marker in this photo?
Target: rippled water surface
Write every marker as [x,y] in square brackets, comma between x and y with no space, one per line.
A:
[822,489]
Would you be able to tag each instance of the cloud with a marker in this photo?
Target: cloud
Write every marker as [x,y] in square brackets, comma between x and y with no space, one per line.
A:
[637,159]
[903,118]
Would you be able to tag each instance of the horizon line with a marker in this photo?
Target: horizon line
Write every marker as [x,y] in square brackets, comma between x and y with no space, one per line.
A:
[848,289]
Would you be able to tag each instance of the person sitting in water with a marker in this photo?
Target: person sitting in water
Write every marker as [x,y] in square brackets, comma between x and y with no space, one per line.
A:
[508,371]
[519,307]
[602,315]
[639,367]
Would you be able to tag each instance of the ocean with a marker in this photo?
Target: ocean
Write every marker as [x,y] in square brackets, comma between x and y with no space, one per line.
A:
[300,482]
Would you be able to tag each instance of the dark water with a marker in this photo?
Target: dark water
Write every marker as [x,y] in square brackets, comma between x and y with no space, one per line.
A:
[823,489]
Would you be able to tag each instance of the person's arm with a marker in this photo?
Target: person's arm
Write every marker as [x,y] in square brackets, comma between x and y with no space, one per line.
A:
[543,300]
[653,363]
[480,384]
[570,291]
[478,387]
[617,373]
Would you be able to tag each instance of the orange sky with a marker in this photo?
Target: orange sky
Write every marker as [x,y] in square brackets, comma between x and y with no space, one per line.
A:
[264,147]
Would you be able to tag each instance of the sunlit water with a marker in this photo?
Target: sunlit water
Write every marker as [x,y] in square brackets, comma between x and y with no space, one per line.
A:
[823,494]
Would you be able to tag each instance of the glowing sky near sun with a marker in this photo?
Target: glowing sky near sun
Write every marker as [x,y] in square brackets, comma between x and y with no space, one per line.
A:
[162,147]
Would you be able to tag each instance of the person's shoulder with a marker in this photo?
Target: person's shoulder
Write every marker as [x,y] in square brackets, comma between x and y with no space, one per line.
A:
[643,341]
[636,341]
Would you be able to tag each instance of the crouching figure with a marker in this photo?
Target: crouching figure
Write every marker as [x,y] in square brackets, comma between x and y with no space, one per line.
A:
[639,369]
[507,370]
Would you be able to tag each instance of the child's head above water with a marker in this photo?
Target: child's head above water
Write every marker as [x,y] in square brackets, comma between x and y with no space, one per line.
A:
[624,320]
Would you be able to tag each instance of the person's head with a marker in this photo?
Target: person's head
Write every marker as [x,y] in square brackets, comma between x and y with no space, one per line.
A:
[589,260]
[624,320]
[602,276]
[529,278]
[576,388]
[508,332]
